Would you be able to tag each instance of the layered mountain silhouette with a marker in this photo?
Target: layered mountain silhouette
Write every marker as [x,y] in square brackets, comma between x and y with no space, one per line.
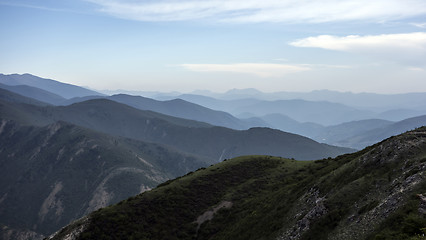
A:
[215,143]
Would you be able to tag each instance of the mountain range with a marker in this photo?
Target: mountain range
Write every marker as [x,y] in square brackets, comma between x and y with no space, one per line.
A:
[309,114]
[66,151]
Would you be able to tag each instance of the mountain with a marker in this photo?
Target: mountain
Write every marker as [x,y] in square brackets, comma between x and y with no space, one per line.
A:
[54,174]
[62,89]
[214,143]
[177,108]
[35,93]
[377,193]
[372,136]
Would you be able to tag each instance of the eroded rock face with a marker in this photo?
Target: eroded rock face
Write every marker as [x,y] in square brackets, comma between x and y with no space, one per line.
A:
[311,207]
[422,205]
[52,203]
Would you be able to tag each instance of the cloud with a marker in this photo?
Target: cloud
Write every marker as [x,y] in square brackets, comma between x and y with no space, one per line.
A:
[263,70]
[288,11]
[403,47]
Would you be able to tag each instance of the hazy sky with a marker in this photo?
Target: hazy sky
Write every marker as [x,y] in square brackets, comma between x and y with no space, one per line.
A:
[184,45]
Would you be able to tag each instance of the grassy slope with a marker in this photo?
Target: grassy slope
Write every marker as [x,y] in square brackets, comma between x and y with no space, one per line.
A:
[354,196]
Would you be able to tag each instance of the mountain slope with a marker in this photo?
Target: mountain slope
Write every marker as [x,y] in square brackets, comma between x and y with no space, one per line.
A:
[377,193]
[51,175]
[62,89]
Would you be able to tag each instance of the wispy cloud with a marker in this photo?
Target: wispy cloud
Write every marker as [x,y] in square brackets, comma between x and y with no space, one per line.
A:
[416,69]
[41,6]
[289,11]
[263,70]
[404,47]
[419,25]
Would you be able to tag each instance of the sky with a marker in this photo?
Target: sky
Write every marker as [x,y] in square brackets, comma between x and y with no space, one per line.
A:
[185,45]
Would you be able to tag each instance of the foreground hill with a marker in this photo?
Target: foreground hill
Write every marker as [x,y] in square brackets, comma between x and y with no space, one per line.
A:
[377,193]
[51,175]
[215,143]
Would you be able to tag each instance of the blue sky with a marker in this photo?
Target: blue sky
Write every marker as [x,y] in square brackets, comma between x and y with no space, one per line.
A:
[169,45]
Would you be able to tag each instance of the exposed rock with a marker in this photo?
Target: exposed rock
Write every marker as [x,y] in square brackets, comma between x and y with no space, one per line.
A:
[312,208]
[208,215]
[422,205]
[52,203]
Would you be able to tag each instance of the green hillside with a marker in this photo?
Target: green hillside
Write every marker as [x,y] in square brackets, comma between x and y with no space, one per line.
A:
[377,193]
[51,175]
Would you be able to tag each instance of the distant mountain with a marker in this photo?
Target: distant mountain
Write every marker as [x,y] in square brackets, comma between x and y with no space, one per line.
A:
[177,108]
[62,89]
[368,101]
[215,143]
[324,113]
[35,93]
[369,137]
[400,114]
[377,193]
[54,174]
